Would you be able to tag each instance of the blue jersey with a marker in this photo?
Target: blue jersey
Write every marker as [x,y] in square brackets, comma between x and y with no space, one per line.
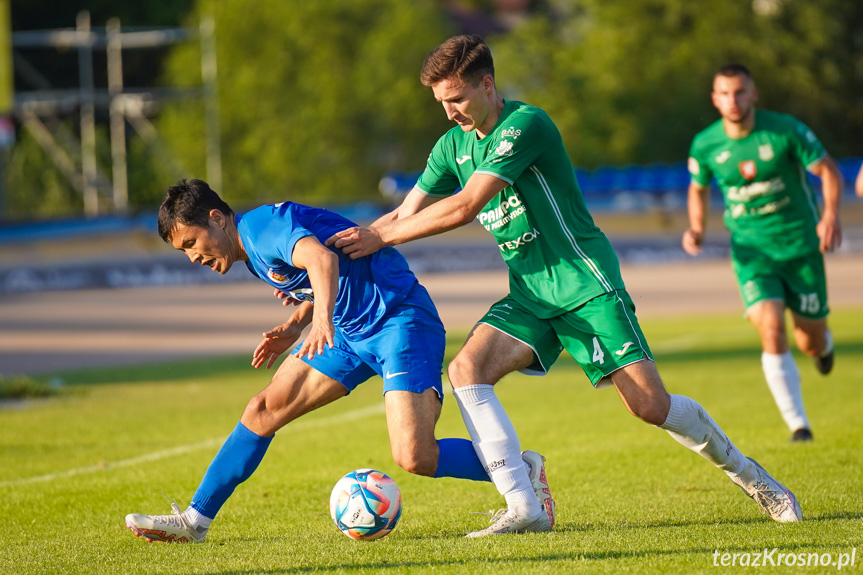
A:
[369,287]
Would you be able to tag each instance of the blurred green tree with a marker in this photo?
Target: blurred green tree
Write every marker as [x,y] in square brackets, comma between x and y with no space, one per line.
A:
[36,189]
[317,99]
[629,81]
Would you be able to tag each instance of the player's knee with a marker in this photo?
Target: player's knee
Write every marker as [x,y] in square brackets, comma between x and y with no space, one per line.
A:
[653,410]
[257,417]
[412,461]
[461,371]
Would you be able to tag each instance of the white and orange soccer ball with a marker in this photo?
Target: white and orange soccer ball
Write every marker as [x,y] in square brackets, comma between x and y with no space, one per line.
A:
[366,504]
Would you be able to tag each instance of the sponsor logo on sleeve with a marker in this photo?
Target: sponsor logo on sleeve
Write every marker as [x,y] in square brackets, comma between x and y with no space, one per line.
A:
[693,166]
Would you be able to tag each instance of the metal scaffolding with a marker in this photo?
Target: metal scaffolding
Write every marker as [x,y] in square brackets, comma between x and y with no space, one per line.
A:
[75,157]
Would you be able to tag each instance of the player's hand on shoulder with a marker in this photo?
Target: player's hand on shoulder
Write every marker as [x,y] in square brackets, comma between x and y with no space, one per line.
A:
[356,242]
[692,242]
[829,231]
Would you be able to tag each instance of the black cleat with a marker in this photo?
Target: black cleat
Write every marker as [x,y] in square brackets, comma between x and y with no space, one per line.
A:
[824,364]
[802,434]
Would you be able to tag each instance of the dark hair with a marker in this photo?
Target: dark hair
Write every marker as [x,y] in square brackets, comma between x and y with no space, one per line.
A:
[734,69]
[467,58]
[189,203]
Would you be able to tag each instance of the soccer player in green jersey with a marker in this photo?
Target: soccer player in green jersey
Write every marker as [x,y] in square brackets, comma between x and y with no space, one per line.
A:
[759,160]
[566,289]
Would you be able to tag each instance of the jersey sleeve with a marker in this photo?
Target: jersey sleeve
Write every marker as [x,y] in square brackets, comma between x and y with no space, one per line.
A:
[438,179]
[286,235]
[698,169]
[805,145]
[519,145]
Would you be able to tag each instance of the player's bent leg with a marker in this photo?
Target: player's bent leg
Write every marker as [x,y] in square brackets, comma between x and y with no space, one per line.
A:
[691,426]
[411,418]
[813,338]
[780,370]
[768,317]
[486,357]
[295,389]
[642,392]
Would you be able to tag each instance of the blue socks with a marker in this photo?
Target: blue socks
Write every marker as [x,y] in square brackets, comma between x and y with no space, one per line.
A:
[458,459]
[234,463]
[243,451]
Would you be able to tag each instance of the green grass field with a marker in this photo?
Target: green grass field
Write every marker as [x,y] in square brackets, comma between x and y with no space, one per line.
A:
[630,499]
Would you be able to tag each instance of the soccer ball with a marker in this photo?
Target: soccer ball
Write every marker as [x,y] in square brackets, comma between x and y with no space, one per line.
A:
[366,504]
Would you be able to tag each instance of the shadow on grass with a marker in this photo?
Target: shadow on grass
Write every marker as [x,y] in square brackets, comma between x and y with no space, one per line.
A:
[708,556]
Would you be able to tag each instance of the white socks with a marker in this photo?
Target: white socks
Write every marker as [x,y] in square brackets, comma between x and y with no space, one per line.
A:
[196,519]
[829,346]
[783,379]
[693,428]
[496,444]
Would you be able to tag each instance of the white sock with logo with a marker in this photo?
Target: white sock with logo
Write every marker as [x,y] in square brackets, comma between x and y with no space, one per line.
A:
[496,443]
[692,427]
[196,519]
[783,379]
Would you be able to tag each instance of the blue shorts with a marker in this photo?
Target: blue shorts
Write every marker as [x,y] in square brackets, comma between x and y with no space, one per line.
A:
[406,351]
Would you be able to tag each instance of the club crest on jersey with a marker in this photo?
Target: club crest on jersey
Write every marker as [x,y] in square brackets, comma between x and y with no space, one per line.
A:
[504,148]
[765,152]
[748,169]
[276,276]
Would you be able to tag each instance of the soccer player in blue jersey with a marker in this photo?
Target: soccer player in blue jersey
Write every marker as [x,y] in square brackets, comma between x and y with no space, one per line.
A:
[369,316]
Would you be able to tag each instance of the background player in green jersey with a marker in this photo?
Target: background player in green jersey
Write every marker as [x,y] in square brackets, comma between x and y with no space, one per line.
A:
[759,159]
[565,284]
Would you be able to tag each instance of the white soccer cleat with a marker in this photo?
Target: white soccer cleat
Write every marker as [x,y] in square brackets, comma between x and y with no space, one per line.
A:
[511,521]
[536,471]
[174,528]
[772,497]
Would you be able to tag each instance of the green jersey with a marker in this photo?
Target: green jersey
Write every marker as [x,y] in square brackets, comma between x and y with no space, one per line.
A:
[769,203]
[557,257]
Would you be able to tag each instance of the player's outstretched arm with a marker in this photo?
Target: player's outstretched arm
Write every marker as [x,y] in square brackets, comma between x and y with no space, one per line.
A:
[829,228]
[444,215]
[414,201]
[366,241]
[697,205]
[283,337]
[322,265]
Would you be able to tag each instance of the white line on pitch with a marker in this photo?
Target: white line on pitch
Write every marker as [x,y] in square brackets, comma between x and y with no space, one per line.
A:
[296,426]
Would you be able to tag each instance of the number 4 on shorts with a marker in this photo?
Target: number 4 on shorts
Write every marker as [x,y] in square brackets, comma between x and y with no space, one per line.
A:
[598,355]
